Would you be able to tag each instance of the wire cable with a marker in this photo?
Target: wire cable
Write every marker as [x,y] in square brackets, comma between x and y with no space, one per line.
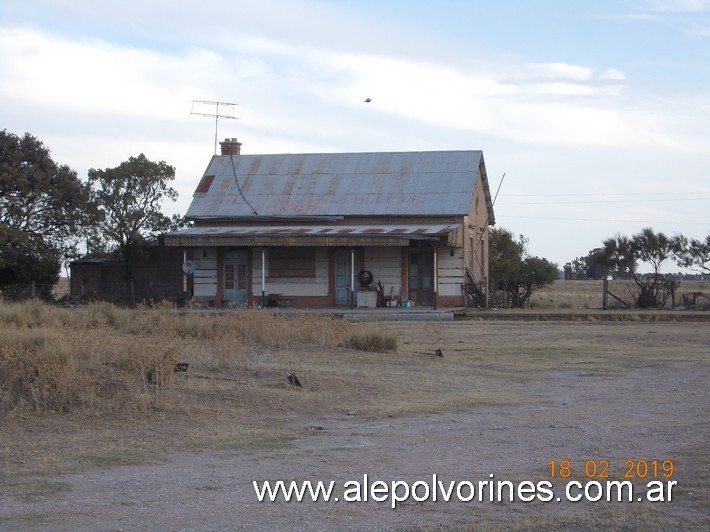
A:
[239,188]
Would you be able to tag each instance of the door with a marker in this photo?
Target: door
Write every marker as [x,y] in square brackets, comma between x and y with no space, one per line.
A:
[343,271]
[235,276]
[421,277]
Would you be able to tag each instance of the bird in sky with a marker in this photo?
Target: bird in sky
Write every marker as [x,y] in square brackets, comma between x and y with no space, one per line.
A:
[367,100]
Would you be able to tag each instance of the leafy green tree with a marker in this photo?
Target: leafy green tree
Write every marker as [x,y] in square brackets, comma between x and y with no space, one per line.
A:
[591,266]
[505,254]
[692,253]
[43,207]
[574,270]
[128,198]
[513,272]
[535,273]
[624,254]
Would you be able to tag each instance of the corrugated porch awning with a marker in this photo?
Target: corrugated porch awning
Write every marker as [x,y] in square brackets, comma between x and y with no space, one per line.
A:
[308,235]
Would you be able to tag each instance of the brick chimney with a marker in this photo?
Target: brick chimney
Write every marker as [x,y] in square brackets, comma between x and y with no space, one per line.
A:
[230,147]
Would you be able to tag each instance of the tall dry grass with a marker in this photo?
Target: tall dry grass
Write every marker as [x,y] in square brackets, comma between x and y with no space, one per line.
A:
[589,294]
[102,358]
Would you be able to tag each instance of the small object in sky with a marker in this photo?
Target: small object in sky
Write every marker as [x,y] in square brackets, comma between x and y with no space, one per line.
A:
[367,100]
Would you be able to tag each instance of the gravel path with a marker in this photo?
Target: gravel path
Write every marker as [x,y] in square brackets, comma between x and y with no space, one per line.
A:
[652,412]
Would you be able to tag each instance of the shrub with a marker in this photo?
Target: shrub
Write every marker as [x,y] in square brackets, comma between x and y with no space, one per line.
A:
[40,367]
[103,358]
[372,340]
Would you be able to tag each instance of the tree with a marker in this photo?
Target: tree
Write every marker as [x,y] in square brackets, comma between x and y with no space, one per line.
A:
[513,272]
[128,199]
[43,207]
[692,253]
[505,256]
[591,266]
[623,254]
[535,273]
[28,266]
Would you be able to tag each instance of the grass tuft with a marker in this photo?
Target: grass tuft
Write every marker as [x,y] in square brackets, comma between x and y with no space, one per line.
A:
[377,341]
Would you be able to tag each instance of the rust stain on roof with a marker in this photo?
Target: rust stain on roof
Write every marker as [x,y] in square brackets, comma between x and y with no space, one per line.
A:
[204,185]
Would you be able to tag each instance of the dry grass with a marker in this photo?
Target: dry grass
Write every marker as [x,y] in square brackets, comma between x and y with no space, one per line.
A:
[374,340]
[98,382]
[75,391]
[588,294]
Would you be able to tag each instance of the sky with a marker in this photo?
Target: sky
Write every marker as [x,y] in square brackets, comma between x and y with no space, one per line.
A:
[593,116]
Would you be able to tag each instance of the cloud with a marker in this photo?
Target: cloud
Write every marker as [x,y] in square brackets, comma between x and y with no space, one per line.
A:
[557,71]
[534,102]
[612,74]
[89,76]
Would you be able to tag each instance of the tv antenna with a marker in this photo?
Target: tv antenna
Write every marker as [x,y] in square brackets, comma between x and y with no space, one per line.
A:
[206,105]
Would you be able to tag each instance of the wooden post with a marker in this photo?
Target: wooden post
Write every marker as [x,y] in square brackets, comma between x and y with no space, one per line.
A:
[220,277]
[263,277]
[436,273]
[605,294]
[352,278]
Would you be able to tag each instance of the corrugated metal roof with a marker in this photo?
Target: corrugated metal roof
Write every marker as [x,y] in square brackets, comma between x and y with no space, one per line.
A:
[321,236]
[398,231]
[435,183]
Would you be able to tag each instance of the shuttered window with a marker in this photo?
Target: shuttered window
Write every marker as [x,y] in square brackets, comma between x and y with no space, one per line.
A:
[290,263]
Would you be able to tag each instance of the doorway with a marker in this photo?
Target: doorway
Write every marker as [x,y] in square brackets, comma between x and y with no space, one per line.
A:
[235,276]
[343,275]
[421,277]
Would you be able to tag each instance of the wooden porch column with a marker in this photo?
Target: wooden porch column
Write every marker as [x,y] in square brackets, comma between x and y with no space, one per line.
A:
[184,274]
[352,278]
[263,277]
[436,273]
[220,277]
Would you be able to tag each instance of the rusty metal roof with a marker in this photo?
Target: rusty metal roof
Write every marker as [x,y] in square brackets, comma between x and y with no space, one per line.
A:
[434,183]
[307,235]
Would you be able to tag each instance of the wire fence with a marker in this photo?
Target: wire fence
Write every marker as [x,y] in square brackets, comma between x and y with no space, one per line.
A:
[34,290]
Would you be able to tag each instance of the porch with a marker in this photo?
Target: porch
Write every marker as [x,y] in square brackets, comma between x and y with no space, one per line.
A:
[345,267]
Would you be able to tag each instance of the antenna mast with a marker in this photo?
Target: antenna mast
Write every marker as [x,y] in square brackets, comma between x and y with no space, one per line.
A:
[215,114]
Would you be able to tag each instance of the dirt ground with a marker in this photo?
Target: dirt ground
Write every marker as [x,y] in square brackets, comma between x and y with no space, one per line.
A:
[649,401]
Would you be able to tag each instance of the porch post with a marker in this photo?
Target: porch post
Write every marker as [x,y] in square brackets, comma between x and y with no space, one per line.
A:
[436,273]
[220,277]
[184,274]
[352,278]
[263,277]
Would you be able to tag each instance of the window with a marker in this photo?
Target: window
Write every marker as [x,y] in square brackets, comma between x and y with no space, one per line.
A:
[292,263]
[229,277]
[241,276]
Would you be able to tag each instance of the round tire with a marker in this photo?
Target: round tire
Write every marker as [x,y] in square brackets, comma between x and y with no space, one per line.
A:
[365,277]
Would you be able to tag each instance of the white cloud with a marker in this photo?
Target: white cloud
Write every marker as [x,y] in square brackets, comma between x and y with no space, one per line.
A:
[561,88]
[557,71]
[538,102]
[612,74]
[300,81]
[91,76]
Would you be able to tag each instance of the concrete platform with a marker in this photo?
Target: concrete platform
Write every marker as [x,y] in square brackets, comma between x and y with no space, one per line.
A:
[354,314]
